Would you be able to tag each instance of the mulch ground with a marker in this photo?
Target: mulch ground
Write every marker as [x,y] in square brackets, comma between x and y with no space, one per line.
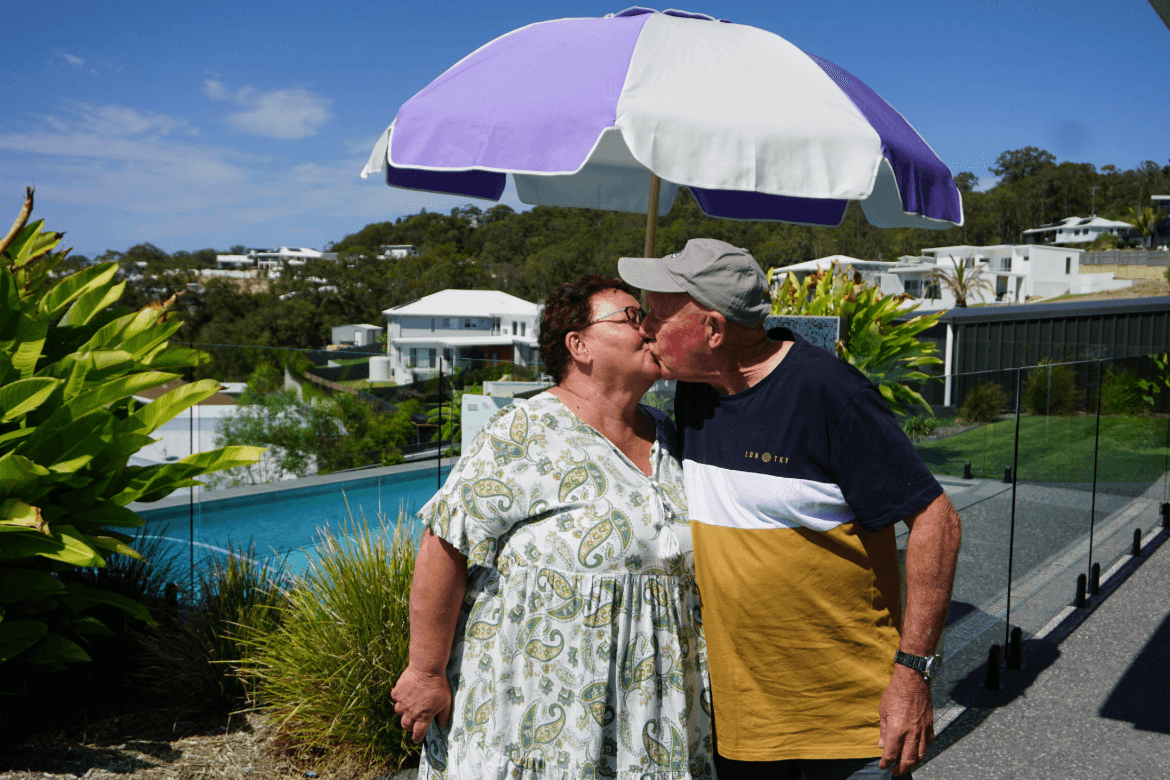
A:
[151,744]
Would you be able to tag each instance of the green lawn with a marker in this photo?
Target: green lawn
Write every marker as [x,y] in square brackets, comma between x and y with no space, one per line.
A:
[351,361]
[1057,449]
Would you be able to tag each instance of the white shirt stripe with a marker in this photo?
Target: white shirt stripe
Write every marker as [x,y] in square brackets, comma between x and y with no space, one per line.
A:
[740,499]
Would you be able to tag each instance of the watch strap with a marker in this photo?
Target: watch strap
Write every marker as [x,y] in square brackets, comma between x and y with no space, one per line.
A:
[918,663]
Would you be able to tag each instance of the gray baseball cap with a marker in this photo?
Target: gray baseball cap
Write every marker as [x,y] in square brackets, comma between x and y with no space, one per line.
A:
[715,273]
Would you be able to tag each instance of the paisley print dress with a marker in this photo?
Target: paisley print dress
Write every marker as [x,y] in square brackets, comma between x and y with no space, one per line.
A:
[579,650]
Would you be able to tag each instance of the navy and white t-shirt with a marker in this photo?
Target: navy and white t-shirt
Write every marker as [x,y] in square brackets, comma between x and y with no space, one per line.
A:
[794,485]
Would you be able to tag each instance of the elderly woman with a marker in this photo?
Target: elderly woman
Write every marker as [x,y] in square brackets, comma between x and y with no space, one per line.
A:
[554,617]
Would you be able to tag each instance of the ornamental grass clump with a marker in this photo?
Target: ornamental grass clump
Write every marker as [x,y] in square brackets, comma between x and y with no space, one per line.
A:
[194,656]
[1050,389]
[1121,391]
[983,403]
[324,676]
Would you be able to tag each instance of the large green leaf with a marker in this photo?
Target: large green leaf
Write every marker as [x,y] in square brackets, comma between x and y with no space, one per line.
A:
[31,341]
[106,394]
[14,512]
[88,624]
[111,514]
[176,357]
[74,548]
[71,287]
[108,335]
[155,482]
[92,301]
[18,472]
[16,636]
[114,545]
[54,649]
[150,417]
[84,437]
[20,584]
[24,395]
[83,596]
[141,344]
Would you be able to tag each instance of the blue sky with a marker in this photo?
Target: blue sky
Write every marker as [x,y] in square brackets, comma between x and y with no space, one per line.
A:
[211,124]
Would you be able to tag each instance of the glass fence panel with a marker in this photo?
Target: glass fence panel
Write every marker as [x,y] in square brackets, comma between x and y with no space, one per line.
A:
[1132,456]
[1054,499]
[982,436]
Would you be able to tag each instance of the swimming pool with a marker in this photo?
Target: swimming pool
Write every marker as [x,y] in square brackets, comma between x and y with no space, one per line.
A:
[283,518]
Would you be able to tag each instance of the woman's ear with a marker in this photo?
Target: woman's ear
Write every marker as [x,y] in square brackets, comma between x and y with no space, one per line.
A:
[578,349]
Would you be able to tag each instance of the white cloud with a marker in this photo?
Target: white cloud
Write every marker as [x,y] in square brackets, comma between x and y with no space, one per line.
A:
[72,60]
[285,114]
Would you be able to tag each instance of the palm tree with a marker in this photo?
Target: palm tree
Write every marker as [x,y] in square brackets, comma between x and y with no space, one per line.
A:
[1144,222]
[964,282]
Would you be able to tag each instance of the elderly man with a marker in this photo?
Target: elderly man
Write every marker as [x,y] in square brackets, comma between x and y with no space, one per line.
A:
[796,472]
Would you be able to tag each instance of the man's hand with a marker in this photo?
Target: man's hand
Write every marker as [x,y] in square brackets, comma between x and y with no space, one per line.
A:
[906,721]
[420,697]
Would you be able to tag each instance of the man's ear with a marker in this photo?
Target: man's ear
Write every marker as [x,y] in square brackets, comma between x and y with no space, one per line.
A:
[715,329]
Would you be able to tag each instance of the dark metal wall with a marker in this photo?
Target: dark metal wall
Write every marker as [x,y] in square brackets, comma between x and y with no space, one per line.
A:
[997,339]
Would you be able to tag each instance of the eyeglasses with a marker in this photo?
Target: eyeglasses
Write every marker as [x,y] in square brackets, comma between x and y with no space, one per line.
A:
[634,316]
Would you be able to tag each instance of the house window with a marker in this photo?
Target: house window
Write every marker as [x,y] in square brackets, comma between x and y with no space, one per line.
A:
[523,325]
[913,287]
[432,324]
[447,355]
[468,322]
[1068,265]
[515,328]
[446,322]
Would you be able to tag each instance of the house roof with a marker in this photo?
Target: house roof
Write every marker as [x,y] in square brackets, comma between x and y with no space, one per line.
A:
[359,325]
[154,393]
[467,303]
[1069,222]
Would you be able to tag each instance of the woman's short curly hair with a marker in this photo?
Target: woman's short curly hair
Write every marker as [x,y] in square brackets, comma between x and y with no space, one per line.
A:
[568,308]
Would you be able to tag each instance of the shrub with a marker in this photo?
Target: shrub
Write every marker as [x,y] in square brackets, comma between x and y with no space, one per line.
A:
[69,368]
[920,425]
[193,658]
[324,676]
[1050,389]
[1121,392]
[983,403]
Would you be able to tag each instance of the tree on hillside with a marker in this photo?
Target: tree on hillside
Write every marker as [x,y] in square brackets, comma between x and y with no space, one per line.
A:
[1145,221]
[1018,164]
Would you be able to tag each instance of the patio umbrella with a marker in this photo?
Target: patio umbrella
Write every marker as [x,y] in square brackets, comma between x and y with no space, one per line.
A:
[619,112]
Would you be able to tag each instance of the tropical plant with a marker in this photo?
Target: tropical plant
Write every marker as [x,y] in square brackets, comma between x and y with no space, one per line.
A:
[324,675]
[886,350]
[963,281]
[69,367]
[1154,390]
[983,403]
[919,426]
[1050,389]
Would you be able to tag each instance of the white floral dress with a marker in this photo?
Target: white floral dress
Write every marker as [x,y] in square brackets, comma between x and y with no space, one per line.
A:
[579,650]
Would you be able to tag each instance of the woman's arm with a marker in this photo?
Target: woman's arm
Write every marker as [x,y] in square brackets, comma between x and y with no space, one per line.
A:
[422,691]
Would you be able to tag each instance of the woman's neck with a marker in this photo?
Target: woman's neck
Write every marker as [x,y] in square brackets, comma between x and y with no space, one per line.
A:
[613,411]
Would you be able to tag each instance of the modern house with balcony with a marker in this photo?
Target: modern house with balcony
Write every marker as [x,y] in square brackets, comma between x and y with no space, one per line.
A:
[460,328]
[1016,273]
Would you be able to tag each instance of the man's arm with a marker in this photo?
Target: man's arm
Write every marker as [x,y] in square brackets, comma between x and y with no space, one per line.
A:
[932,549]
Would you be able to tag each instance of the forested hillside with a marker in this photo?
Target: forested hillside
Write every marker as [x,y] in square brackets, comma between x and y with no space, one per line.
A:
[529,253]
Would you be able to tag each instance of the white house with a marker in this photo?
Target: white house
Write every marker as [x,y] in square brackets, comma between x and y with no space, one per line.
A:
[1076,230]
[397,251]
[457,328]
[275,259]
[1016,273]
[358,335]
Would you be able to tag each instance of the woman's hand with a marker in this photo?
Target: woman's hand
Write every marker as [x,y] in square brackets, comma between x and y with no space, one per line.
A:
[419,698]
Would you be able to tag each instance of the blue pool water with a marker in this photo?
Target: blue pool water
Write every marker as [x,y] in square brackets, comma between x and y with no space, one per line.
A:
[286,522]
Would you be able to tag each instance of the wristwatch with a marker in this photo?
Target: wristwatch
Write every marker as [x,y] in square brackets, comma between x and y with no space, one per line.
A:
[928,666]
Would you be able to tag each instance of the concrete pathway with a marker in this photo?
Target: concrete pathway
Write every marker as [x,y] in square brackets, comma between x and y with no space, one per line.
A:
[1093,697]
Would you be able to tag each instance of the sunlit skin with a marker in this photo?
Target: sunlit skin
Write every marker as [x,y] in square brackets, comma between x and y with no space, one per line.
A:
[695,344]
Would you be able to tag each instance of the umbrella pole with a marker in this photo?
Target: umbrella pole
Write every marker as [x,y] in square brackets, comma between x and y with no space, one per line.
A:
[652,215]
